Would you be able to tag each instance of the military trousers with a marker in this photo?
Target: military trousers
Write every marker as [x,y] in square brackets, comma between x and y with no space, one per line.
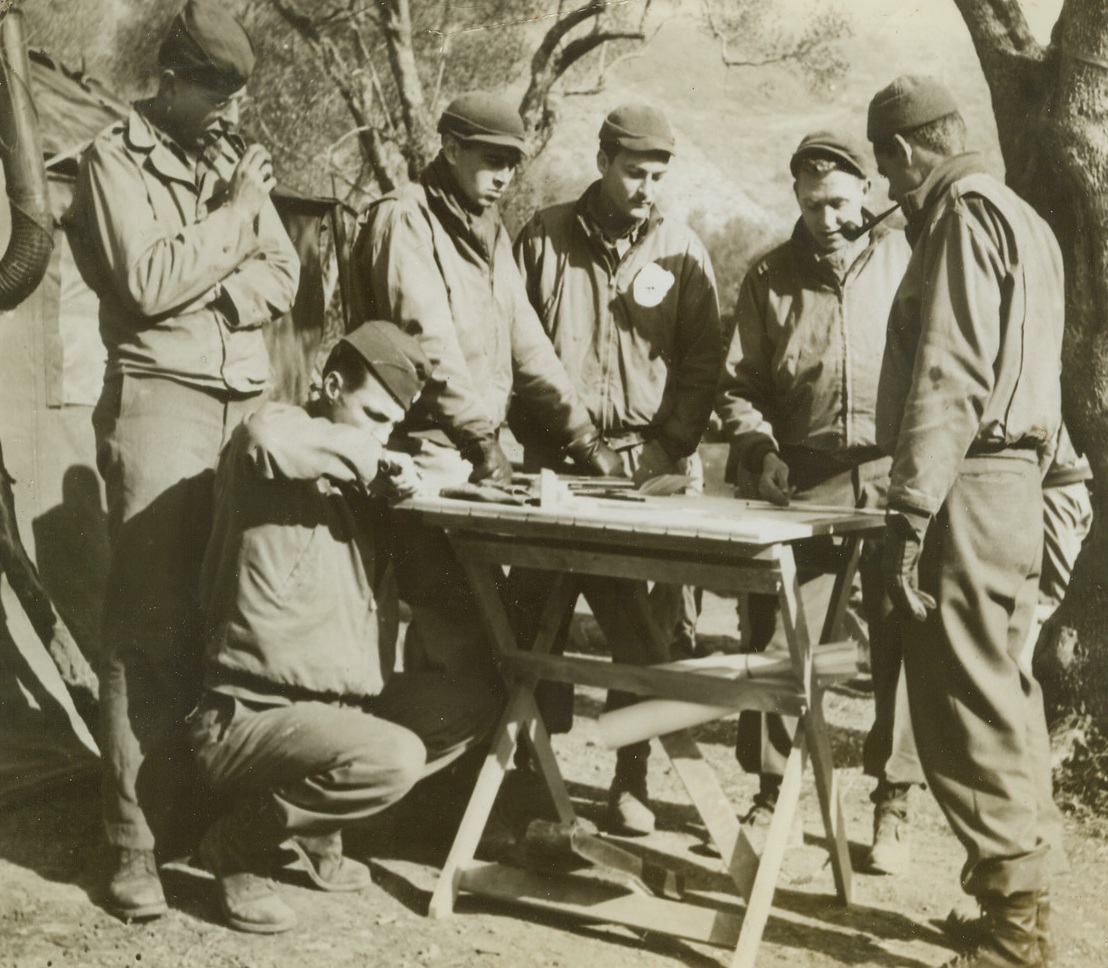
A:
[977,714]
[321,765]
[764,740]
[157,446]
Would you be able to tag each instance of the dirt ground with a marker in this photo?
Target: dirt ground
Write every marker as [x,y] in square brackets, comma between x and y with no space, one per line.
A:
[51,859]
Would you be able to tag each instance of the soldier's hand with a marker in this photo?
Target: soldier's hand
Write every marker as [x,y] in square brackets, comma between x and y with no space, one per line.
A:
[397,476]
[251,181]
[900,565]
[773,485]
[654,461]
[595,456]
[490,463]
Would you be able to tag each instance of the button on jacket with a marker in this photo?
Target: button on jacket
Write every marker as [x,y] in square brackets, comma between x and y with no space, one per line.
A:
[803,363]
[640,333]
[185,283]
[288,580]
[448,277]
[975,334]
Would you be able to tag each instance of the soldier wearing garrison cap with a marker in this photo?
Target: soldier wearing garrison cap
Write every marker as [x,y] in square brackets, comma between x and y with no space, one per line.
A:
[434,259]
[303,726]
[797,405]
[968,407]
[173,228]
[629,300]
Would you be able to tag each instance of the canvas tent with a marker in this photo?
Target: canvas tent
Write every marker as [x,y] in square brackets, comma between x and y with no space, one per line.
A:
[51,368]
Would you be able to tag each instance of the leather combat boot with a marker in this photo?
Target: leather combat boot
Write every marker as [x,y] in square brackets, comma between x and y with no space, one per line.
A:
[1011,933]
[891,850]
[135,891]
[629,813]
[762,808]
[327,868]
[968,929]
[238,849]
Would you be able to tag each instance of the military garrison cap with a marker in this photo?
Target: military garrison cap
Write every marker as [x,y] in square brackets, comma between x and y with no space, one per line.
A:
[638,127]
[836,147]
[908,102]
[480,116]
[209,47]
[393,357]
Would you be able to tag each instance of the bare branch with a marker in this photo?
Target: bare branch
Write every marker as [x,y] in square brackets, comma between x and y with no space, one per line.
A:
[576,49]
[340,73]
[797,52]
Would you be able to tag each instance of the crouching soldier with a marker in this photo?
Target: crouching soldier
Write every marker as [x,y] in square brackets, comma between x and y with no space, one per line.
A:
[302,727]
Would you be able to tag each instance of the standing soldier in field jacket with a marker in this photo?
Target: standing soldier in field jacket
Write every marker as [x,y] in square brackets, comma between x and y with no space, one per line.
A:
[969,406]
[629,300]
[173,228]
[797,404]
[435,259]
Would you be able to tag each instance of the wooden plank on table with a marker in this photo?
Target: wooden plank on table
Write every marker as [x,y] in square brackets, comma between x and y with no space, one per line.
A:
[594,900]
[738,574]
[779,695]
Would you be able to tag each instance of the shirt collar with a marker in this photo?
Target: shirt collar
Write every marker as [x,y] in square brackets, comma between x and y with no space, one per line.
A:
[166,157]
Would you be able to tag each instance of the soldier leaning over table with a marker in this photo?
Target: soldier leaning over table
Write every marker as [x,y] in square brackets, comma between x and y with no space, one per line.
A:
[173,228]
[629,300]
[435,259]
[304,727]
[797,403]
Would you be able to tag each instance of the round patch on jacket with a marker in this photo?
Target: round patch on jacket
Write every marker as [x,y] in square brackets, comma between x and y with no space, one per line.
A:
[651,285]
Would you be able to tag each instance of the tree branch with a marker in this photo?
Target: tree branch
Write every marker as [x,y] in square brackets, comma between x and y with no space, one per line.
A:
[998,26]
[397,23]
[340,73]
[576,49]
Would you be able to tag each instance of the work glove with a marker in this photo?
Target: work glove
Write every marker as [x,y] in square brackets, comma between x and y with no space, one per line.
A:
[654,461]
[900,565]
[592,454]
[489,462]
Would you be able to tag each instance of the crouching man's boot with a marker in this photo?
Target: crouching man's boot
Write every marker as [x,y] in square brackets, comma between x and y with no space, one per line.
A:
[969,929]
[239,849]
[891,850]
[326,866]
[629,813]
[135,890]
[1012,932]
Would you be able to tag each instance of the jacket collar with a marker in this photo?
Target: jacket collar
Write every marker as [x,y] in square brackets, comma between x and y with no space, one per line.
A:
[919,203]
[588,205]
[481,230]
[164,155]
[839,264]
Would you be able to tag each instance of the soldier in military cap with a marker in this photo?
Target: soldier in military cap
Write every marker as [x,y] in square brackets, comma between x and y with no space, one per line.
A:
[629,300]
[303,727]
[173,228]
[435,259]
[797,405]
[969,407]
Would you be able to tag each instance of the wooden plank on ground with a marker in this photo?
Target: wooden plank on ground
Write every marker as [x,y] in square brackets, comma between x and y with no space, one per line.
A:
[597,901]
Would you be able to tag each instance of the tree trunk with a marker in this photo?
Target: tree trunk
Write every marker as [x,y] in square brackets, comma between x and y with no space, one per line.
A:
[1051,108]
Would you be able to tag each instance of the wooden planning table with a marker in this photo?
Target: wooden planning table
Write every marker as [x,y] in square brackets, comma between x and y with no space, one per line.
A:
[719,543]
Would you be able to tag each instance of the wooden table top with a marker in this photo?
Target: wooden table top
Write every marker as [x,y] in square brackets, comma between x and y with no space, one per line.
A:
[720,520]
